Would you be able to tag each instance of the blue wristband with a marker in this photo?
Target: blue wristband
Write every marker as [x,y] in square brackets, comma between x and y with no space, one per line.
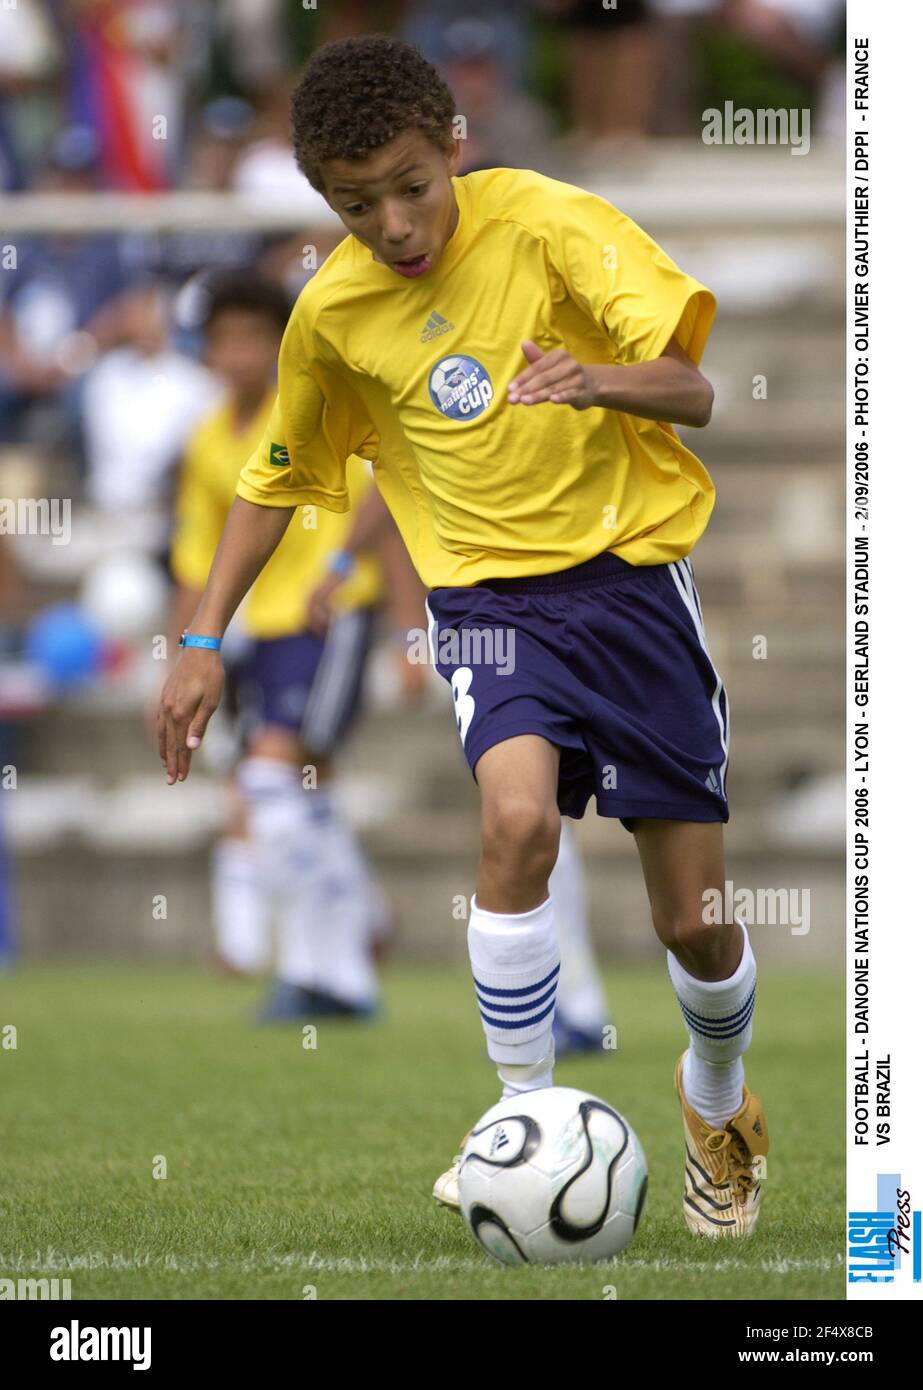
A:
[341,563]
[192,639]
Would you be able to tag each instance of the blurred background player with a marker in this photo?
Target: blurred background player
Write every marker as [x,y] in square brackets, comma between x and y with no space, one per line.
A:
[288,852]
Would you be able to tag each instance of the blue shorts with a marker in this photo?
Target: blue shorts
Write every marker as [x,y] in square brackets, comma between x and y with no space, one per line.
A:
[608,662]
[309,684]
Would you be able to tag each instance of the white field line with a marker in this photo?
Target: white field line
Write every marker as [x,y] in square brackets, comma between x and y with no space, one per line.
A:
[56,1262]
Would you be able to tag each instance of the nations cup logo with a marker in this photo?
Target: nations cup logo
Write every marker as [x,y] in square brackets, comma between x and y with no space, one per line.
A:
[460,388]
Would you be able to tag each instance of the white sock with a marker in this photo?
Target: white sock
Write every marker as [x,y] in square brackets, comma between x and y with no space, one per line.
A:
[581,1000]
[240,906]
[517,1079]
[345,854]
[324,924]
[515,964]
[713,1089]
[275,799]
[719,1016]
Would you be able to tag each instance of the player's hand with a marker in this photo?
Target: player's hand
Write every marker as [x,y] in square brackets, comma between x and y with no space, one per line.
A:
[552,376]
[190,697]
[320,604]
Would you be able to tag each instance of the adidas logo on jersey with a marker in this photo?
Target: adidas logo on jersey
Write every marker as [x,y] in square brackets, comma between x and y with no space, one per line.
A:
[712,783]
[435,325]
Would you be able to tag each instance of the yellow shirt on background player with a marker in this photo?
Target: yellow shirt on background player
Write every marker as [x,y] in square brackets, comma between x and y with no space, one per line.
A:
[276,604]
[480,488]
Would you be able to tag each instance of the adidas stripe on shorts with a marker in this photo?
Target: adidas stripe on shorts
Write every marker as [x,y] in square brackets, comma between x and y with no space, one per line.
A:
[309,684]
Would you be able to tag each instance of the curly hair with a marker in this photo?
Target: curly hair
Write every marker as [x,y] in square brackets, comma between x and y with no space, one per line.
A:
[244,292]
[355,95]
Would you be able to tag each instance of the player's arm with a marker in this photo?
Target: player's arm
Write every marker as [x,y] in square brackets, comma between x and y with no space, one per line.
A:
[200,516]
[655,316]
[193,691]
[669,388]
[201,512]
[186,600]
[372,522]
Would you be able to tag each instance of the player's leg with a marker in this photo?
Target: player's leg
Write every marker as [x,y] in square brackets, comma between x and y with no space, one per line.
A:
[325,927]
[323,964]
[511,937]
[298,697]
[351,914]
[580,1011]
[713,971]
[241,898]
[241,889]
[271,786]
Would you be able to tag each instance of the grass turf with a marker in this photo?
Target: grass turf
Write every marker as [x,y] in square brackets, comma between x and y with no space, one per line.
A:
[290,1169]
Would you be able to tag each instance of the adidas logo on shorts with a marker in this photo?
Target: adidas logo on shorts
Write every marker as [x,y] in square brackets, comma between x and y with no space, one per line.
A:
[435,325]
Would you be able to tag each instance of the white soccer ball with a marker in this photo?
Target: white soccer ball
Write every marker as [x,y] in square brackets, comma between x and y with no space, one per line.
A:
[555,1176]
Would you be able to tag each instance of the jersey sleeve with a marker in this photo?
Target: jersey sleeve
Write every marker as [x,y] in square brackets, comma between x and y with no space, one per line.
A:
[200,518]
[316,422]
[628,284]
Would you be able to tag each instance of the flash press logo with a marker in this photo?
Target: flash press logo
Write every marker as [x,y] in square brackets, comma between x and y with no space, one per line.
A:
[885,1242]
[76,1343]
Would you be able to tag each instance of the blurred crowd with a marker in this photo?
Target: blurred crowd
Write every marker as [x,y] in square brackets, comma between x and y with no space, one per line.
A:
[147,95]
[193,93]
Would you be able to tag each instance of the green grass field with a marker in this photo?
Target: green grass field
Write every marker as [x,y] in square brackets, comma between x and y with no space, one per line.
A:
[289,1167]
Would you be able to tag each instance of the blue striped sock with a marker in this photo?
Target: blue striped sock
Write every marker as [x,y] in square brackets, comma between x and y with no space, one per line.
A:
[719,1017]
[515,964]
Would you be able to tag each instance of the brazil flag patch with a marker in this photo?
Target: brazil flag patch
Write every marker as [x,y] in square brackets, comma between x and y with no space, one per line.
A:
[278,455]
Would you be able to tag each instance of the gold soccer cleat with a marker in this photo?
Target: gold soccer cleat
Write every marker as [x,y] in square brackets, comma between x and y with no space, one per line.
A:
[445,1190]
[723,1167]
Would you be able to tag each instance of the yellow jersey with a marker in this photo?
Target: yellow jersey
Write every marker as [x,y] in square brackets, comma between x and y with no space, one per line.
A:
[419,369]
[276,604]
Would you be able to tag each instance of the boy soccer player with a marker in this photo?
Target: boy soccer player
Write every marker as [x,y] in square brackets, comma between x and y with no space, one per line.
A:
[513,349]
[287,855]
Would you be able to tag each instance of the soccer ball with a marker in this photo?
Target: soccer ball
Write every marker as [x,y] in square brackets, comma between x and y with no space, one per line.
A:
[555,1176]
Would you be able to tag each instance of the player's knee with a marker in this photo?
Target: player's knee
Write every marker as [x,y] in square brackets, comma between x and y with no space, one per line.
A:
[274,742]
[696,943]
[522,830]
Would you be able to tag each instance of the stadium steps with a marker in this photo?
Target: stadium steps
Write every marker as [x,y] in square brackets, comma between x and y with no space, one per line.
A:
[78,897]
[792,701]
